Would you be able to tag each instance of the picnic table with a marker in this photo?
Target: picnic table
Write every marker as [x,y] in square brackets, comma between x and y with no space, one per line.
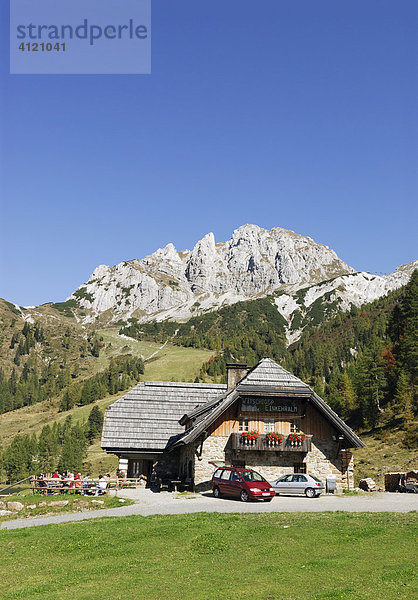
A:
[54,485]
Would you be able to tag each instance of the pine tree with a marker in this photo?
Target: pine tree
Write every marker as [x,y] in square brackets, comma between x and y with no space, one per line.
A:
[94,423]
[47,450]
[407,350]
[73,450]
[95,348]
[403,399]
[347,395]
[370,385]
[66,403]
[18,458]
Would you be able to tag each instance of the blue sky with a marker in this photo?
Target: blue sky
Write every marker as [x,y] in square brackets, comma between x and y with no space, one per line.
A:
[301,115]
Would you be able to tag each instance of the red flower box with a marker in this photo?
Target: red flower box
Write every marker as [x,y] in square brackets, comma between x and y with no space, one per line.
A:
[273,437]
[249,436]
[294,438]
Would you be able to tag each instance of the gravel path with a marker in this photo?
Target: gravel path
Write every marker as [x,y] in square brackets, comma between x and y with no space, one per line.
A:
[147,503]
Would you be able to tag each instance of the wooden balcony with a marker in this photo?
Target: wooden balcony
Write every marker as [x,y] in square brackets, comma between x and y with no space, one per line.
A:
[261,444]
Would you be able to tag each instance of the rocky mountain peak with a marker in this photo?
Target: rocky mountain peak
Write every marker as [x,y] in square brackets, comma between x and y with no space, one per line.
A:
[176,285]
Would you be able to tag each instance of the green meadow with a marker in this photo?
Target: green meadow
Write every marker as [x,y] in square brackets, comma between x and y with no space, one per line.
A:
[275,556]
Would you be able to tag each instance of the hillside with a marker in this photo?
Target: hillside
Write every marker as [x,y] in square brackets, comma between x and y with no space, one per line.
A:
[168,363]
[62,359]
[363,362]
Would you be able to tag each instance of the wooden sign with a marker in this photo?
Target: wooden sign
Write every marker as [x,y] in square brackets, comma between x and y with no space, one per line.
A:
[268,404]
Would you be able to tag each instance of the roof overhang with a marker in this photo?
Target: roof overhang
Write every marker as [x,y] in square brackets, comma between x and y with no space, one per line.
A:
[349,438]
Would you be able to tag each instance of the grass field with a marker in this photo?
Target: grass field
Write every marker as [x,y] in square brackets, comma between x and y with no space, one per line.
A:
[274,556]
[175,363]
[40,505]
[170,363]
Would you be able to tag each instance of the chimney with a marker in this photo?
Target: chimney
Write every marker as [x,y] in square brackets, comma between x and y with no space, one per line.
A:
[236,371]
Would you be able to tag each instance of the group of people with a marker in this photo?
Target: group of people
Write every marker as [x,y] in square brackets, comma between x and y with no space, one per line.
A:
[68,481]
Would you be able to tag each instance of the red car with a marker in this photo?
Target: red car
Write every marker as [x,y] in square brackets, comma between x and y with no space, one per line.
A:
[242,483]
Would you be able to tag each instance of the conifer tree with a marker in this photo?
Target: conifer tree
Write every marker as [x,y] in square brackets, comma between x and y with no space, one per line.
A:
[407,350]
[18,458]
[403,399]
[73,450]
[94,423]
[47,450]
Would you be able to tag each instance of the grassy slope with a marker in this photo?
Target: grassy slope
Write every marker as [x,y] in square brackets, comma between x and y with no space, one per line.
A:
[172,363]
[214,556]
[383,453]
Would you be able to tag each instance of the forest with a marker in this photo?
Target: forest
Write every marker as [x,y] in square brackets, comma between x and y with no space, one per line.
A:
[59,447]
[362,362]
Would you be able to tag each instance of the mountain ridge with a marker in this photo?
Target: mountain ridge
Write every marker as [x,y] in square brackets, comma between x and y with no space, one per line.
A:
[254,263]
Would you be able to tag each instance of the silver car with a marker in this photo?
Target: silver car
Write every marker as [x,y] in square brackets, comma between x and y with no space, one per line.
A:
[298,483]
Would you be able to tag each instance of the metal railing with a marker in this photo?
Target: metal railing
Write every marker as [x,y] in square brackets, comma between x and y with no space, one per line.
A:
[9,487]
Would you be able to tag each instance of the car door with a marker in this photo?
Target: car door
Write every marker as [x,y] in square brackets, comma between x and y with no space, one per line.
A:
[235,484]
[298,484]
[224,483]
[284,484]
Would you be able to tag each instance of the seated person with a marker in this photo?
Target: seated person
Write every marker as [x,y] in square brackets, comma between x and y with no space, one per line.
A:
[65,484]
[40,484]
[78,482]
[86,484]
[70,479]
[101,486]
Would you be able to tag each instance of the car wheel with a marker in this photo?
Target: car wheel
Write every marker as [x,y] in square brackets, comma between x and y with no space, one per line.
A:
[216,492]
[244,496]
[310,493]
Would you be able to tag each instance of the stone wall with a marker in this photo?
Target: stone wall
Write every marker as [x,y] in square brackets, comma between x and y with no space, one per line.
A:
[321,461]
[214,448]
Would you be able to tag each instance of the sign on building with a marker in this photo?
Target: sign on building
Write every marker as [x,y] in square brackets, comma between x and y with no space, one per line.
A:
[268,404]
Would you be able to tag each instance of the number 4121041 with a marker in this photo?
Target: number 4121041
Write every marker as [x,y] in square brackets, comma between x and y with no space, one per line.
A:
[42,47]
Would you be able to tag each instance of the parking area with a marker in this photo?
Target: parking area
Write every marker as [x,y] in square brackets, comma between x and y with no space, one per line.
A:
[170,503]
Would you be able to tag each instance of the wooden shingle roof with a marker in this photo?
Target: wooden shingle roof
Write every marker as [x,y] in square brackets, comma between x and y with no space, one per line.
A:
[151,416]
[268,374]
[266,377]
[148,415]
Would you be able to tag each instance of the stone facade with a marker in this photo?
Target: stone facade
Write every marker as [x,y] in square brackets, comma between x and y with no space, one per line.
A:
[324,459]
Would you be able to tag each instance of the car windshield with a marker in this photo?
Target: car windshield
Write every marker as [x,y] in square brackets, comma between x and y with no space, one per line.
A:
[315,478]
[251,476]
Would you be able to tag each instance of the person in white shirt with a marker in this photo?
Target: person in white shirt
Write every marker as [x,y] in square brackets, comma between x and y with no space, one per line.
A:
[101,485]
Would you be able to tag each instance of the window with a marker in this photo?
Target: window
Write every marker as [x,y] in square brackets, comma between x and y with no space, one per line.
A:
[299,479]
[251,476]
[294,426]
[299,468]
[268,425]
[243,424]
[226,475]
